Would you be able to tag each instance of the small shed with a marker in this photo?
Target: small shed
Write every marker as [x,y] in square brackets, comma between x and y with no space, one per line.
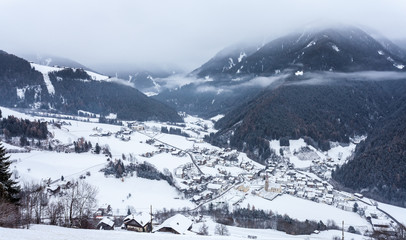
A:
[105,224]
[177,224]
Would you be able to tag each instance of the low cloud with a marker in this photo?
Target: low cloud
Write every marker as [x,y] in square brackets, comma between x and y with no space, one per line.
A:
[263,81]
[335,78]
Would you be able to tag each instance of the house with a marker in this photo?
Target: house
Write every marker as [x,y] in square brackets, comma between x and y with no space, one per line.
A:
[177,224]
[214,187]
[381,225]
[105,224]
[138,222]
[275,188]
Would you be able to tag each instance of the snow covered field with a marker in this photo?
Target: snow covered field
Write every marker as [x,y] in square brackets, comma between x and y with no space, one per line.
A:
[43,232]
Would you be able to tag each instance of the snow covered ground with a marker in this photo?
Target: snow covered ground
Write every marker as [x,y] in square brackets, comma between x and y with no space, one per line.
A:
[140,193]
[44,232]
[302,209]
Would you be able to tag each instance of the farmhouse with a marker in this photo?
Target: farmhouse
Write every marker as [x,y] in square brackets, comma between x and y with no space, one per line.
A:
[138,222]
[105,224]
[177,224]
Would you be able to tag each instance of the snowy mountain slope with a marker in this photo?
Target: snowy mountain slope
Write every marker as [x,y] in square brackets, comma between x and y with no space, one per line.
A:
[340,49]
[336,48]
[47,69]
[225,60]
[294,57]
[69,90]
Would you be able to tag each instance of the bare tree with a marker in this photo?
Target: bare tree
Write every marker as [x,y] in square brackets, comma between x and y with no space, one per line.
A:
[55,211]
[79,202]
[204,230]
[221,230]
[33,201]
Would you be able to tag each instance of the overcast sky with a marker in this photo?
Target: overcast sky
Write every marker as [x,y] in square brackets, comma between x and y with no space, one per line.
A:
[112,33]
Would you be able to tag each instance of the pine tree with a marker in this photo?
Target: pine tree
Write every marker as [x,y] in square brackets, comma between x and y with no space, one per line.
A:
[8,188]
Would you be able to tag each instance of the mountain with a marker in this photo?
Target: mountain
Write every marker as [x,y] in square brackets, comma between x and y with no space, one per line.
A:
[338,83]
[238,73]
[339,48]
[225,60]
[69,90]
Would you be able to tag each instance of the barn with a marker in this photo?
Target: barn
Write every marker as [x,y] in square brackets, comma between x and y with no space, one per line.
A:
[138,222]
[105,224]
[177,224]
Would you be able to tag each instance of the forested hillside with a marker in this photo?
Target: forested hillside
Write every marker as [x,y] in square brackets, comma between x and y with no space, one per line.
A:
[323,113]
[379,165]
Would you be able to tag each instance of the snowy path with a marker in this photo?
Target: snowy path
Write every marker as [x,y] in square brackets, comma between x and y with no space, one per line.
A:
[48,83]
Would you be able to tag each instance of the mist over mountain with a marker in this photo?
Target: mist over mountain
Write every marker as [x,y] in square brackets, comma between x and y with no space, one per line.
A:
[239,72]
[49,60]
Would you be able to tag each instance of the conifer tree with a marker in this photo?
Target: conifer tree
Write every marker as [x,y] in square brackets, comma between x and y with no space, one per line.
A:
[8,188]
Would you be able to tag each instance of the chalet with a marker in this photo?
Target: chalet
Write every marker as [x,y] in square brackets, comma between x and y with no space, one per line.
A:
[300,194]
[179,173]
[197,179]
[275,188]
[310,184]
[105,224]
[214,187]
[381,225]
[177,224]
[345,206]
[138,222]
[206,194]
[311,195]
[329,189]
[196,198]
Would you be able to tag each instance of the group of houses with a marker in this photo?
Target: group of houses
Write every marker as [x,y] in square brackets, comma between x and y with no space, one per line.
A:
[203,187]
[143,222]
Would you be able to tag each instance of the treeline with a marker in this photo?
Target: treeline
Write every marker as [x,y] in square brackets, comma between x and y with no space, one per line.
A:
[15,127]
[253,218]
[143,170]
[83,146]
[174,131]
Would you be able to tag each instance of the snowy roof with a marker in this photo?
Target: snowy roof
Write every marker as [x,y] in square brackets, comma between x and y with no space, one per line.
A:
[107,221]
[179,223]
[213,186]
[142,218]
[380,222]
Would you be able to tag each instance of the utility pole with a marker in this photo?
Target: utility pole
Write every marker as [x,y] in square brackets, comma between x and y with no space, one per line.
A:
[150,212]
[343,230]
